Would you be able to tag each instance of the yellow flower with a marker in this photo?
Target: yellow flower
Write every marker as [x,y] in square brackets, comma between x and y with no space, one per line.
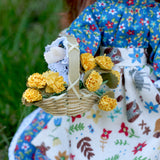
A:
[94,115]
[88,61]
[54,81]
[155,38]
[32,95]
[117,74]
[36,80]
[107,104]
[104,62]
[62,156]
[56,141]
[49,90]
[94,81]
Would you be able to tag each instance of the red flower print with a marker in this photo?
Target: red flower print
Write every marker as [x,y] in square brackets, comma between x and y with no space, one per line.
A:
[139,44]
[102,4]
[124,129]
[74,117]
[92,27]
[17,148]
[109,24]
[130,19]
[84,41]
[105,134]
[111,40]
[139,147]
[142,21]
[45,127]
[78,40]
[130,2]
[98,16]
[131,11]
[28,138]
[93,8]
[129,40]
[33,156]
[41,123]
[155,66]
[34,120]
[137,10]
[130,32]
[100,29]
[72,156]
[150,5]
[95,43]
[34,130]
[88,50]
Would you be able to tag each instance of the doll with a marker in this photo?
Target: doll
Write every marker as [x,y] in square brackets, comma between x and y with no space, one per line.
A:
[128,31]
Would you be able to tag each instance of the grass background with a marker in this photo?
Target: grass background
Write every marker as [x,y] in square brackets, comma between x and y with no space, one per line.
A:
[26,27]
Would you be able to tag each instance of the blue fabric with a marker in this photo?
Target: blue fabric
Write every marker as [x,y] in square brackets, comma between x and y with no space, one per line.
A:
[40,156]
[110,23]
[24,149]
[120,23]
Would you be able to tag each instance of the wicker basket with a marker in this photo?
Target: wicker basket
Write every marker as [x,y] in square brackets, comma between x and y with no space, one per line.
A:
[75,101]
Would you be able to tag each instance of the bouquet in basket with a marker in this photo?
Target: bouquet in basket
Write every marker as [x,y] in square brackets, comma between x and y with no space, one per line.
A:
[95,74]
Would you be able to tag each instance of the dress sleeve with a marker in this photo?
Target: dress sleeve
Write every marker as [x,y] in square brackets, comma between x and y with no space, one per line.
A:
[154,39]
[86,30]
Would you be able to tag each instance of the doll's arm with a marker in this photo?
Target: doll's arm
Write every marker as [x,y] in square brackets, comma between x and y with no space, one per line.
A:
[86,28]
[154,40]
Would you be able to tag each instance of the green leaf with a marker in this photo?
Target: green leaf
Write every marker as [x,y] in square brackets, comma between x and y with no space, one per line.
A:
[132,131]
[109,94]
[120,142]
[141,158]
[112,79]
[81,85]
[77,127]
[115,157]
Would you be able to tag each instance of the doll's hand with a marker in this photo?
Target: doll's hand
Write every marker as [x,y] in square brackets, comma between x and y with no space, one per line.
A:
[54,55]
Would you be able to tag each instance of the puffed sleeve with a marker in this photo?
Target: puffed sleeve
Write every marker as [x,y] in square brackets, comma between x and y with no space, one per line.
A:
[154,39]
[85,28]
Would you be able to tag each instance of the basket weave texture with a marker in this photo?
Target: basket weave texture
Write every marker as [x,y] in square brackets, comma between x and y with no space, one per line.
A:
[75,101]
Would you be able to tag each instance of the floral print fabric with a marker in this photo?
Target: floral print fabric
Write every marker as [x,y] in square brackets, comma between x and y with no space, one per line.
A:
[131,131]
[119,23]
[24,149]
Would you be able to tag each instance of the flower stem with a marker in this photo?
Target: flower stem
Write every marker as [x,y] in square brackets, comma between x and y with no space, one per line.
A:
[52,136]
[132,135]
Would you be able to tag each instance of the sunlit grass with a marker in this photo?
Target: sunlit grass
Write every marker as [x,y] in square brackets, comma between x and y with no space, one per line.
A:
[26,27]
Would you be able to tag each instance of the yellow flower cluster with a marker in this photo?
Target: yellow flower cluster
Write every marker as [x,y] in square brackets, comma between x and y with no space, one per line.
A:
[117,74]
[55,83]
[32,95]
[36,80]
[107,104]
[88,61]
[104,62]
[50,81]
[93,81]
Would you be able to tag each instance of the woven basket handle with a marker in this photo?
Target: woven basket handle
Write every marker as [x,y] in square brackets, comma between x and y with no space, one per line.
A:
[74,64]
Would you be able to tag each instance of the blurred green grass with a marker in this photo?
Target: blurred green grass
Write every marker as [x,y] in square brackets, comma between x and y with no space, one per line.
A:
[26,27]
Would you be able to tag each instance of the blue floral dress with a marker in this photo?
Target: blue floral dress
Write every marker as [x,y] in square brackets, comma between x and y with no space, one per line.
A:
[129,32]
